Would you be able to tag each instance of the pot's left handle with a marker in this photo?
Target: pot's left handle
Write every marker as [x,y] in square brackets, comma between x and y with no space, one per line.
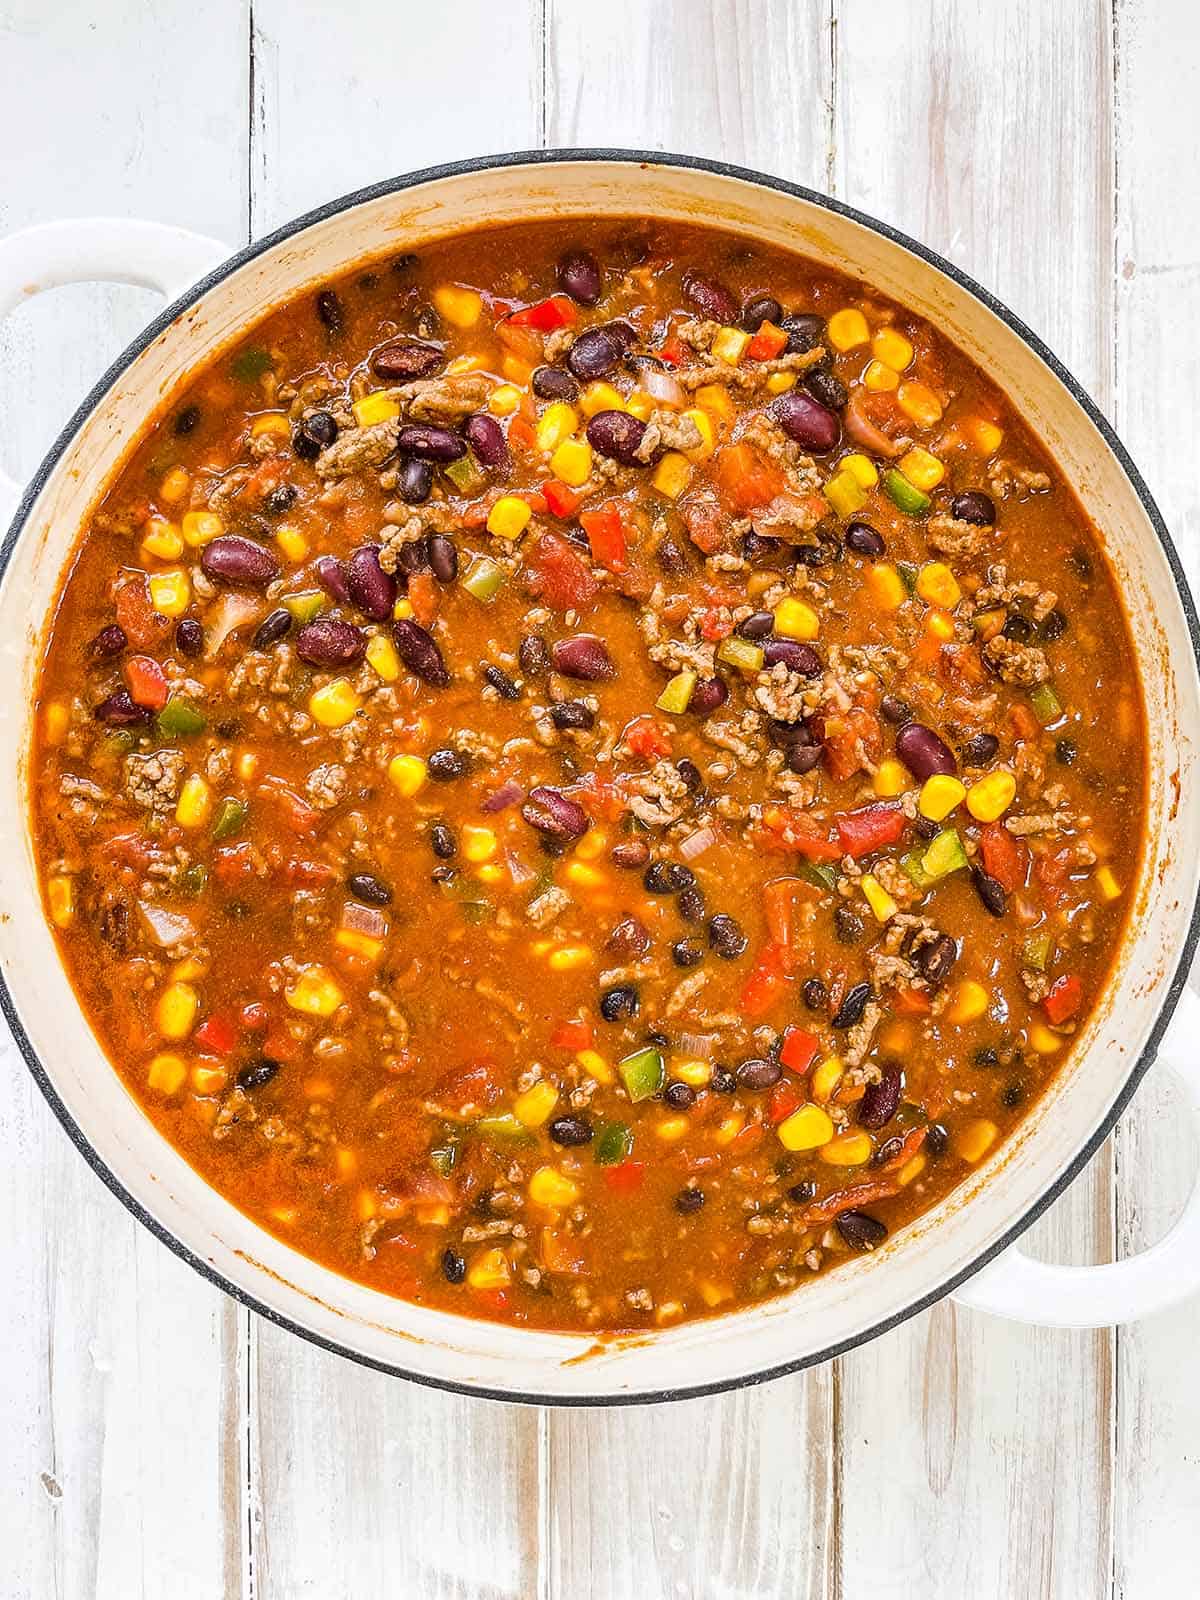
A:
[1016,1286]
[150,255]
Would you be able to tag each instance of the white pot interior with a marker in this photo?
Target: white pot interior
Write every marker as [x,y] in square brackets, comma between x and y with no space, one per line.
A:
[838,1307]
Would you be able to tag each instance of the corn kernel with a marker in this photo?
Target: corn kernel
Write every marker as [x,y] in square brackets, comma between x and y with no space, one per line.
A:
[806,1129]
[504,399]
[986,436]
[940,625]
[594,1064]
[408,773]
[970,1002]
[533,1107]
[601,396]
[781,382]
[464,363]
[919,403]
[671,1129]
[583,875]
[490,1270]
[892,348]
[60,892]
[208,1080]
[826,1078]
[569,958]
[697,1073]
[548,1187]
[347,1162]
[848,328]
[163,540]
[571,463]
[491,872]
[373,408]
[1106,882]
[190,968]
[975,1139]
[848,1150]
[170,592]
[461,307]
[592,845]
[515,370]
[200,527]
[365,1205]
[292,542]
[672,474]
[247,766]
[991,797]
[558,422]
[715,399]
[879,900]
[1044,1040]
[708,435]
[923,471]
[56,721]
[891,778]
[861,468]
[729,346]
[845,494]
[795,619]
[334,704]
[382,657]
[938,585]
[886,586]
[175,487]
[509,517]
[194,805]
[175,1013]
[880,379]
[271,422]
[910,1170]
[167,1073]
[402,609]
[315,992]
[478,844]
[940,795]
[714,1294]
[640,405]
[360,945]
[727,1130]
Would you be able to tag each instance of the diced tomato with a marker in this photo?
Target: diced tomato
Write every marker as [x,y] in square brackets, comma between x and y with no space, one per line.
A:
[715,623]
[1025,725]
[911,1003]
[521,434]
[255,1017]
[233,864]
[546,315]
[129,850]
[574,1034]
[1064,998]
[522,342]
[1003,857]
[560,500]
[909,1145]
[475,1084]
[279,1045]
[786,1097]
[747,481]
[423,596]
[673,350]
[846,735]
[496,1301]
[563,1252]
[306,874]
[750,1135]
[859,1194]
[862,832]
[779,905]
[705,523]
[145,628]
[606,535]
[1051,872]
[146,682]
[799,1049]
[558,575]
[626,1178]
[798,831]
[216,1033]
[646,738]
[767,343]
[765,986]
[297,813]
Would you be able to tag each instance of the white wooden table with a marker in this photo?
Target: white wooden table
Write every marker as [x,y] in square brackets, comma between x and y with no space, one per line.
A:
[157,1440]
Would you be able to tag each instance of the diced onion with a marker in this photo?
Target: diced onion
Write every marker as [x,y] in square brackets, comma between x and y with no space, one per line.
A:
[703,1045]
[166,928]
[506,795]
[697,843]
[662,386]
[229,612]
[517,870]
[364,919]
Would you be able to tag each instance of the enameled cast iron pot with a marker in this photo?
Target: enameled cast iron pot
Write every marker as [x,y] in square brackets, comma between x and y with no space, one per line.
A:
[941,1250]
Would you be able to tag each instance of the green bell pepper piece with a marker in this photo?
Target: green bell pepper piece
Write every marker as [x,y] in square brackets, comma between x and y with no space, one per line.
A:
[1037,951]
[613,1144]
[465,474]
[304,605]
[741,653]
[1047,707]
[944,855]
[905,495]
[250,364]
[505,1127]
[913,865]
[818,873]
[194,880]
[179,718]
[484,579]
[230,817]
[908,575]
[642,1073]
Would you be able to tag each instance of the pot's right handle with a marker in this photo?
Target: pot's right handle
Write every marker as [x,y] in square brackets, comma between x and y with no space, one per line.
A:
[150,255]
[1025,1290]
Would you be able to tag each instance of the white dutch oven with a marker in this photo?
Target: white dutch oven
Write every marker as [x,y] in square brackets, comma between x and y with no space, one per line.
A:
[936,1254]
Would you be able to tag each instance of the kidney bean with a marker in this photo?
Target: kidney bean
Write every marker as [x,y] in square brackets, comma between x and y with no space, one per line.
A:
[579,276]
[806,421]
[710,297]
[860,1231]
[572,714]
[761,308]
[934,960]
[709,695]
[331,575]
[271,629]
[570,1131]
[443,558]
[980,749]
[414,481]
[863,539]
[757,625]
[329,309]
[594,354]
[372,891]
[880,1100]
[120,710]
[826,387]
[922,752]
[618,435]
[990,891]
[110,641]
[555,815]
[428,442]
[232,559]
[552,383]
[486,438]
[419,652]
[404,359]
[795,655]
[328,642]
[584,655]
[630,854]
[895,710]
[805,331]
[852,1007]
[972,505]
[370,588]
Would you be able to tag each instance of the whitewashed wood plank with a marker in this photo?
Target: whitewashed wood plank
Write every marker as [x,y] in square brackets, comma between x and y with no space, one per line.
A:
[364,1485]
[115,1413]
[1158,298]
[732,1495]
[983,1448]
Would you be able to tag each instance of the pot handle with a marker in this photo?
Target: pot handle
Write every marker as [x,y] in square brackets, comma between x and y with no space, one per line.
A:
[1016,1286]
[150,255]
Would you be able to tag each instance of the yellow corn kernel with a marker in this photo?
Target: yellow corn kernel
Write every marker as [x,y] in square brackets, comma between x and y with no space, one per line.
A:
[940,624]
[991,797]
[975,1139]
[672,474]
[478,844]
[970,1002]
[892,348]
[919,403]
[247,766]
[461,307]
[879,900]
[170,592]
[175,1013]
[373,408]
[175,487]
[848,1150]
[56,721]
[861,468]
[464,363]
[730,346]
[402,609]
[891,778]
[509,517]
[727,1130]
[382,657]
[826,1078]
[848,328]
[409,774]
[195,802]
[781,382]
[921,469]
[714,1294]
[533,1107]
[291,541]
[365,1205]
[640,405]
[191,968]
[516,370]
[879,378]
[1106,882]
[708,435]
[1044,1040]
[594,1064]
[796,619]
[583,875]
[200,527]
[167,1073]
[163,539]
[271,422]
[896,1038]
[940,795]
[671,1129]
[910,1170]
[558,422]
[334,704]
[361,945]
[491,872]
[504,400]
[60,892]
[315,992]
[571,463]
[886,586]
[715,399]
[697,1073]
[569,958]
[347,1162]
[592,845]
[490,1270]
[937,585]
[600,396]
[208,1080]
[985,436]
[548,1187]
[806,1129]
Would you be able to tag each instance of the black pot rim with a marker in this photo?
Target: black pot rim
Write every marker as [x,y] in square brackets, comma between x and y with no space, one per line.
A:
[650,158]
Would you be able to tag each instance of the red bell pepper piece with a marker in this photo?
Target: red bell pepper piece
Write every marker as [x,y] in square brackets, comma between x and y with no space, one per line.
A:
[606,535]
[765,985]
[673,350]
[796,830]
[645,738]
[862,832]
[521,434]
[747,481]
[911,1003]
[423,594]
[547,315]
[786,1097]
[561,501]
[216,1033]
[715,624]
[233,864]
[799,1049]
[1002,858]
[146,682]
[1064,998]
[626,1178]
[573,1034]
[767,343]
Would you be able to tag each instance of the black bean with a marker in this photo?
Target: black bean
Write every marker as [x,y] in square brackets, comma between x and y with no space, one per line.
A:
[687,952]
[1052,626]
[572,714]
[110,641]
[271,629]
[860,1231]
[826,387]
[810,424]
[972,505]
[187,419]
[1018,628]
[281,499]
[446,764]
[895,710]
[330,642]
[688,1201]
[579,276]
[815,994]
[802,750]
[1080,563]
[305,446]
[923,753]
[329,309]
[321,427]
[617,435]
[761,308]
[1066,752]
[992,893]
[533,656]
[852,1007]
[759,1072]
[552,383]
[847,926]
[880,1100]
[120,710]
[679,876]
[419,651]
[690,904]
[757,625]
[815,555]
[442,842]
[980,749]
[795,655]
[710,297]
[709,695]
[726,937]
[935,959]
[429,442]
[414,481]
[570,1131]
[442,875]
[256,1073]
[595,354]
[803,1192]
[680,1096]
[555,815]
[401,360]
[986,1056]
[805,331]
[722,1081]
[1012,1095]
[936,1139]
[454,1267]
[189,636]
[691,775]
[231,559]
[584,655]
[863,539]
[619,1003]
[761,550]
[657,878]
[365,886]
[629,940]
[486,438]
[926,828]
